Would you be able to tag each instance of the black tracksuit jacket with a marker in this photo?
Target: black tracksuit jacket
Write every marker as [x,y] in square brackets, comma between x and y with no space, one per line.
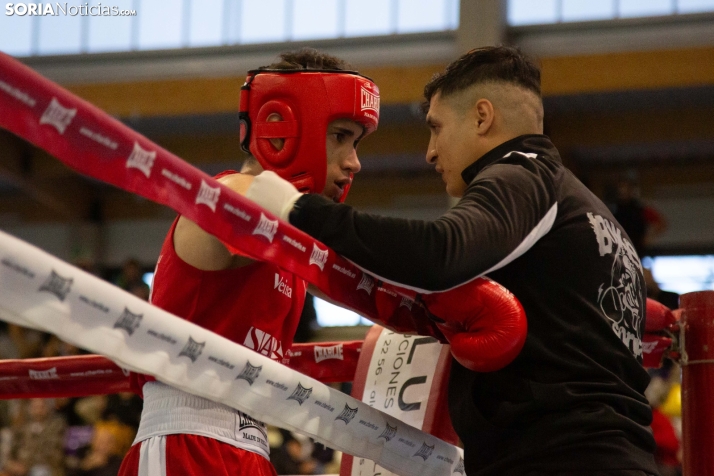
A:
[572,401]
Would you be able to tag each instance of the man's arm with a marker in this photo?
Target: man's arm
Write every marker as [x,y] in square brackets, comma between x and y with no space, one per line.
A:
[502,214]
[203,250]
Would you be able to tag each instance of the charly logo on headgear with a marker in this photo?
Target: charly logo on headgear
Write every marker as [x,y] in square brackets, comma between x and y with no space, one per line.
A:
[208,195]
[249,373]
[192,349]
[388,433]
[330,352]
[300,394]
[425,451]
[58,116]
[459,467]
[347,414]
[366,283]
[369,100]
[245,422]
[43,374]
[57,285]
[318,257]
[128,321]
[141,159]
[266,227]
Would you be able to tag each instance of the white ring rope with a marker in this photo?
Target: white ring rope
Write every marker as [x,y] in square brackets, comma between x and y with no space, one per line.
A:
[40,291]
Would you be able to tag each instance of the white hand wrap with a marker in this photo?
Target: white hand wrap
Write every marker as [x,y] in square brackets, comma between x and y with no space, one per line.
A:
[273,193]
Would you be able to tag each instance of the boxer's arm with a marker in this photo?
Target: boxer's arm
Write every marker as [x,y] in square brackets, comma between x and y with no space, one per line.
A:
[203,250]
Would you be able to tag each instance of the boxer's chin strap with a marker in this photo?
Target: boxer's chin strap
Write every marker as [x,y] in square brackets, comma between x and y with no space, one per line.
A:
[40,291]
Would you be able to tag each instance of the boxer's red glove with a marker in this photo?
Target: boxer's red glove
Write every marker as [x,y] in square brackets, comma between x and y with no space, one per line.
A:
[656,343]
[483,322]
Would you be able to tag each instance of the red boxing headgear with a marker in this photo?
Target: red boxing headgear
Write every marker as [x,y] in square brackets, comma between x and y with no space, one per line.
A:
[307,101]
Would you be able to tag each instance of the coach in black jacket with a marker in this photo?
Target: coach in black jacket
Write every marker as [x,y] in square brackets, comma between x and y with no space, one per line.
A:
[572,402]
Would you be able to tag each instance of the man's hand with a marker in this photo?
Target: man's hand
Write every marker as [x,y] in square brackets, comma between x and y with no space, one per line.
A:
[273,193]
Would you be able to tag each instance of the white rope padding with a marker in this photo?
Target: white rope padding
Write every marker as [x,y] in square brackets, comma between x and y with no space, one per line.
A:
[40,291]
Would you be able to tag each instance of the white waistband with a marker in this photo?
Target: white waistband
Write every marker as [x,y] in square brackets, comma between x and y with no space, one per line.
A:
[170,411]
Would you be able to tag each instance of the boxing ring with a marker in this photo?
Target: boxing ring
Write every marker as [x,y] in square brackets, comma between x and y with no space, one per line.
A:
[38,290]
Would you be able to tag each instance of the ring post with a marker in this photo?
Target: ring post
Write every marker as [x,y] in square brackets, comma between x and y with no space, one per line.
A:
[697,343]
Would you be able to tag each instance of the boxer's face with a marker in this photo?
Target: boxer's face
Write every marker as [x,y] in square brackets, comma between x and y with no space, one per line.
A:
[342,138]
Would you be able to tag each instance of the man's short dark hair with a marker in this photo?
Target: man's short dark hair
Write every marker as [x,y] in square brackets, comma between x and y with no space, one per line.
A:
[500,64]
[308,59]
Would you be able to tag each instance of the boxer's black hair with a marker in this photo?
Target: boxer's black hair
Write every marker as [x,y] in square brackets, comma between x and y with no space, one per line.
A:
[308,59]
[499,64]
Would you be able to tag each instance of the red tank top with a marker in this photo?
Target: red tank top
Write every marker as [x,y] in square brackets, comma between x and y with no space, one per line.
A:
[257,305]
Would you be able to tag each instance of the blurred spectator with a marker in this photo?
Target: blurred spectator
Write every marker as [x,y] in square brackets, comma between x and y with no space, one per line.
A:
[641,222]
[293,456]
[104,455]
[37,442]
[131,279]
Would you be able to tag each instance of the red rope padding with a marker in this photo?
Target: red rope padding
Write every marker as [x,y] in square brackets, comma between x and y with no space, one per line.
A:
[84,375]
[90,141]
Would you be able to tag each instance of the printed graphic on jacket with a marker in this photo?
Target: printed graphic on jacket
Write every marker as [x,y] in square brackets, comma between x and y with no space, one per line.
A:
[619,299]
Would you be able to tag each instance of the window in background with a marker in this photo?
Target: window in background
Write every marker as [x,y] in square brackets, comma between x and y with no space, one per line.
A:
[313,19]
[578,10]
[526,12]
[329,315]
[160,24]
[695,6]
[263,21]
[171,24]
[645,8]
[367,17]
[531,12]
[60,34]
[206,23]
[682,274]
[422,15]
[112,33]
[16,34]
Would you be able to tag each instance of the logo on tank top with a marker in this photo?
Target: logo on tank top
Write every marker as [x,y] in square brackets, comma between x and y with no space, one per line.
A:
[57,285]
[249,373]
[620,298]
[264,344]
[57,116]
[425,451]
[347,414]
[366,283]
[281,284]
[331,352]
[43,374]
[388,433]
[128,321]
[370,101]
[208,195]
[266,228]
[300,394]
[318,257]
[192,349]
[141,159]
[460,467]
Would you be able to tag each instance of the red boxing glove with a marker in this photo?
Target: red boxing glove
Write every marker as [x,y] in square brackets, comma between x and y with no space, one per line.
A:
[484,323]
[658,317]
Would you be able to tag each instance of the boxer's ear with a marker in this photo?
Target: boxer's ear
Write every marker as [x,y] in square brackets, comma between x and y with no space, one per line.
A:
[277,143]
